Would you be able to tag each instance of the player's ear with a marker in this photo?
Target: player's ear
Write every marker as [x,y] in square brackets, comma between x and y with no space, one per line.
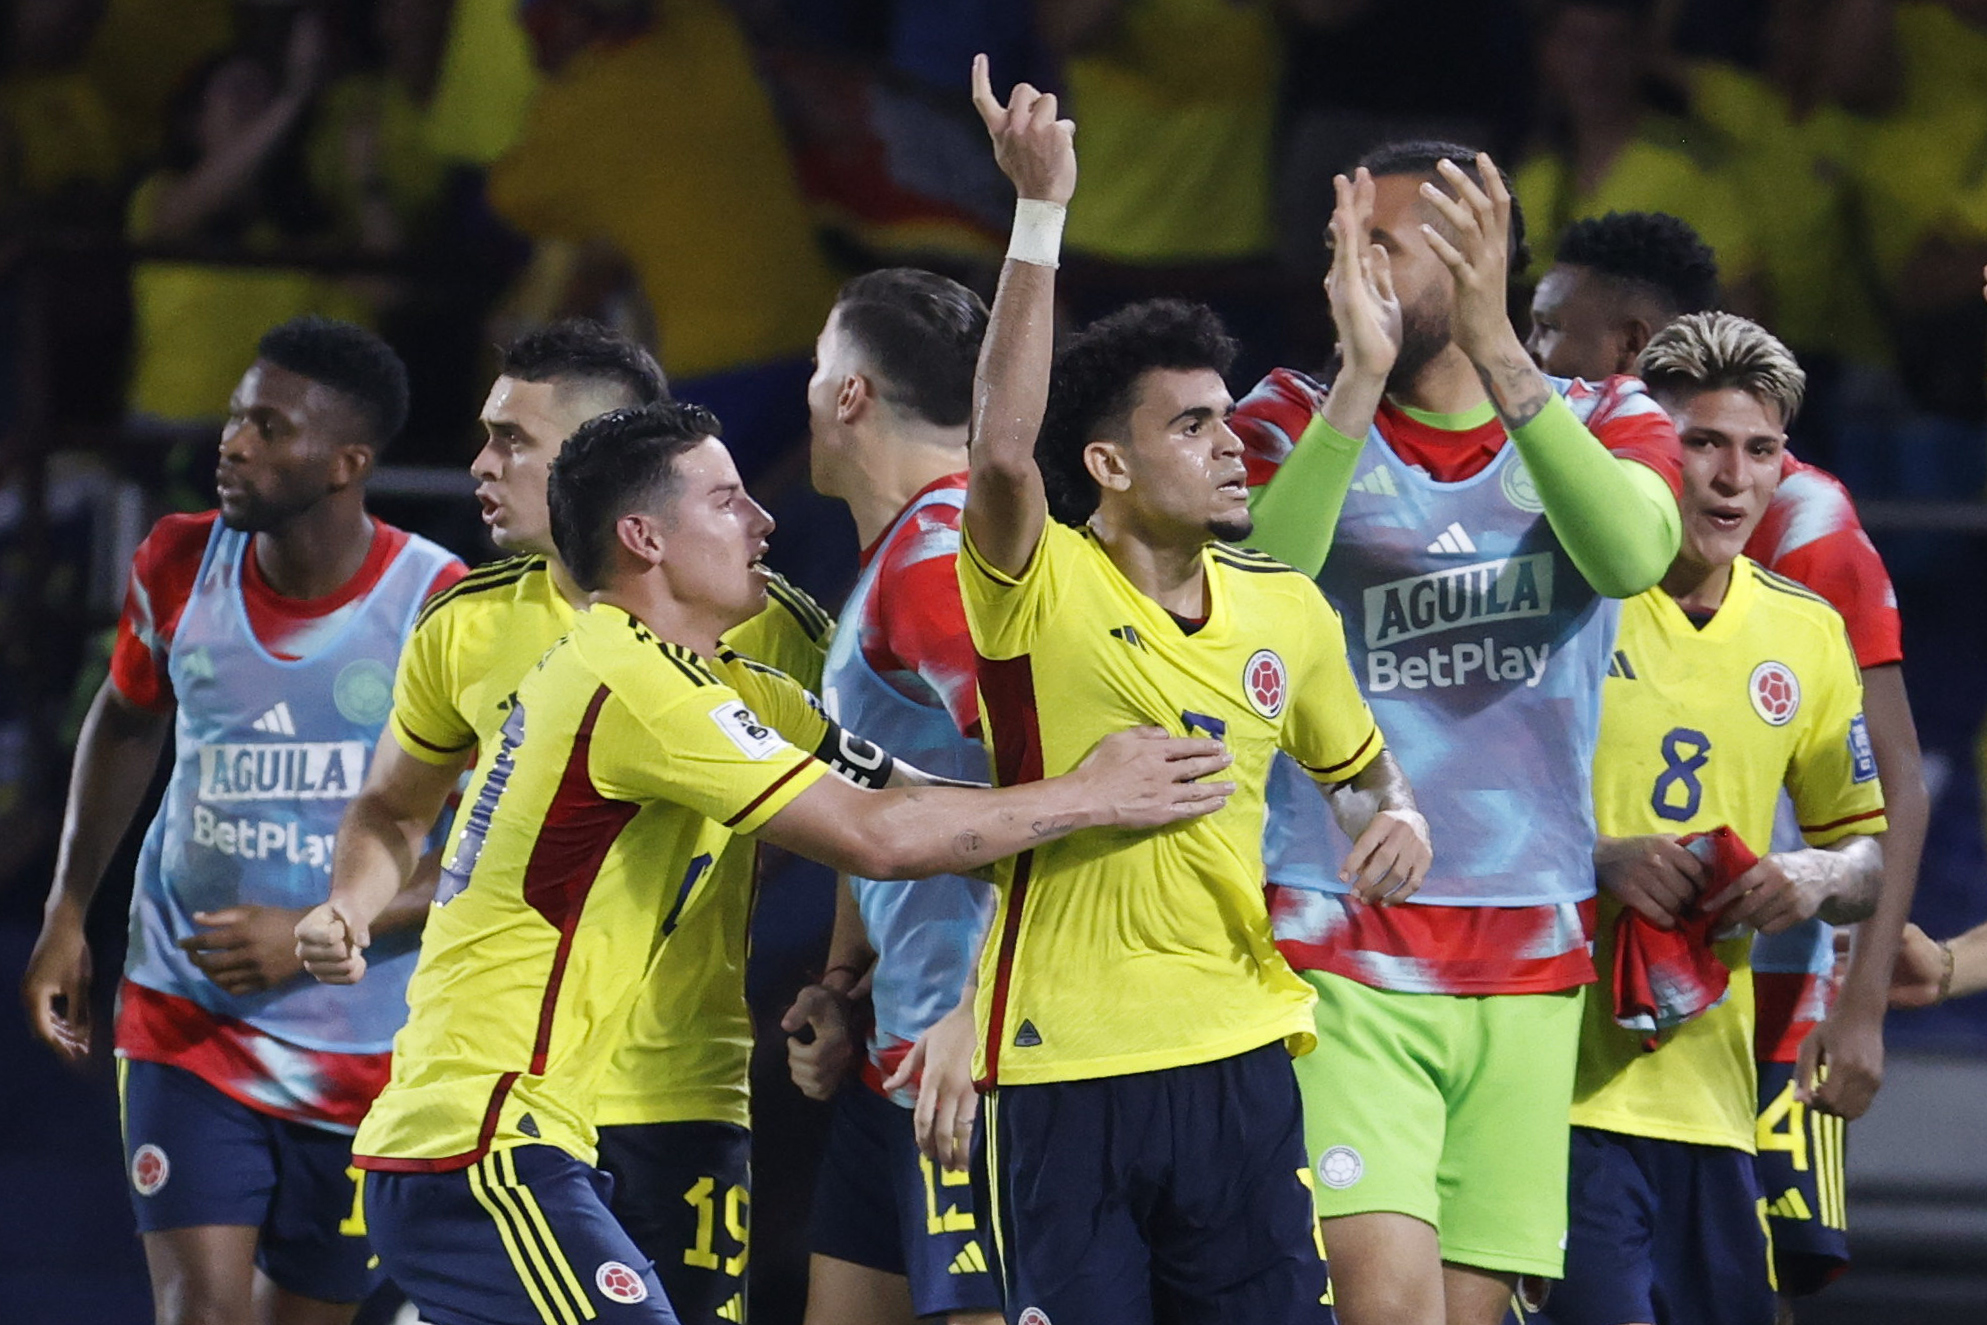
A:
[351,462]
[1105,461]
[1635,333]
[855,397]
[641,535]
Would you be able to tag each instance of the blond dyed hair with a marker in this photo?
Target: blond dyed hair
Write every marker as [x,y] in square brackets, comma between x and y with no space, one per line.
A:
[1715,351]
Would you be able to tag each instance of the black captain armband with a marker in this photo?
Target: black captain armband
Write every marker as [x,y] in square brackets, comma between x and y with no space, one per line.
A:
[862,762]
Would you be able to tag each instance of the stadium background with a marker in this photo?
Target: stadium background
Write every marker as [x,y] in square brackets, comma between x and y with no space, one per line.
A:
[175,175]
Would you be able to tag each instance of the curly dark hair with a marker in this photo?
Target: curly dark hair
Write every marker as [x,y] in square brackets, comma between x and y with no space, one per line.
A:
[1095,375]
[351,361]
[1418,156]
[617,462]
[921,333]
[1653,250]
[579,349]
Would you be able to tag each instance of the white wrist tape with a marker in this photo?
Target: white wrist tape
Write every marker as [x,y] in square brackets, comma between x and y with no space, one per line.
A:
[1037,236]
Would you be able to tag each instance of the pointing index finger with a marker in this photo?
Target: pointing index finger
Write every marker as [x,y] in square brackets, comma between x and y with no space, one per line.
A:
[984,100]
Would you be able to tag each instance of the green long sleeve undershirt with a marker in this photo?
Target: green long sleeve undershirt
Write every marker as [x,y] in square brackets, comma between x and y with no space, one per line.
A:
[1616,518]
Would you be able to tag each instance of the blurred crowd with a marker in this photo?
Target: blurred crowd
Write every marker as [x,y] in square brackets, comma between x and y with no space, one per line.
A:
[704,171]
[178,175]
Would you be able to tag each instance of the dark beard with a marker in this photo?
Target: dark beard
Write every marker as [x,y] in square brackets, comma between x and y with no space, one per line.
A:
[1424,334]
[1232,528]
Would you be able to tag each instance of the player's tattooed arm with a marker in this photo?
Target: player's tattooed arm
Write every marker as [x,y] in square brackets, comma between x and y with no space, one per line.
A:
[1837,882]
[1137,779]
[1518,391]
[1474,240]
[1006,503]
[116,754]
[1390,852]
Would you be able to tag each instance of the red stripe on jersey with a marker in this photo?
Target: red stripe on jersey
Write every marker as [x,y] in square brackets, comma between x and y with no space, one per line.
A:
[1348,761]
[579,830]
[1007,693]
[760,799]
[386,1164]
[1877,813]
[430,745]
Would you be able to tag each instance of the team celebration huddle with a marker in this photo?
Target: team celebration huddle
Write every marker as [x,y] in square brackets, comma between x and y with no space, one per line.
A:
[1370,849]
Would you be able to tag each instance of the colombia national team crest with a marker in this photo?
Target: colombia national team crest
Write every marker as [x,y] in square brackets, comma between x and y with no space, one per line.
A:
[149,1169]
[620,1283]
[1776,693]
[1265,682]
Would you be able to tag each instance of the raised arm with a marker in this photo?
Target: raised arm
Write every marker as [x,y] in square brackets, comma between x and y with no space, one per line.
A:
[1297,511]
[1137,779]
[116,755]
[1006,504]
[1616,517]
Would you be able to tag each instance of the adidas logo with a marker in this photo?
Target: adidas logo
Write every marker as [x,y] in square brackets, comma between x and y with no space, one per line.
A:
[1129,634]
[734,1309]
[1454,541]
[1376,483]
[1027,1037]
[1618,666]
[1791,1206]
[277,721]
[970,1260]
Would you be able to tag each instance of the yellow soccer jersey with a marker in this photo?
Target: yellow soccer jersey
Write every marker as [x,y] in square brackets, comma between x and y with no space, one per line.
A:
[686,1053]
[690,1050]
[624,767]
[1115,953]
[1701,728]
[792,634]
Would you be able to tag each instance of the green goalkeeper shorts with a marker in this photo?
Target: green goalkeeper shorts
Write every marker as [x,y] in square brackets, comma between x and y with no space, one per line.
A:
[1451,1109]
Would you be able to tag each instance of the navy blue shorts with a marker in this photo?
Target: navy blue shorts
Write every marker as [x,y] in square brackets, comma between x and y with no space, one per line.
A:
[521,1235]
[1800,1170]
[196,1157]
[1179,1196]
[878,1202]
[1663,1232]
[683,1191]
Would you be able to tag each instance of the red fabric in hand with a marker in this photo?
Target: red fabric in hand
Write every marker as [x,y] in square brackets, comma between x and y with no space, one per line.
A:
[1665,977]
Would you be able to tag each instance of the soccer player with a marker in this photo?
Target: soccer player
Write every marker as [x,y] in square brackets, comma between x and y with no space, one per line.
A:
[1617,280]
[629,757]
[674,1107]
[1144,1137]
[262,636]
[1479,518]
[896,1236]
[1729,682]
